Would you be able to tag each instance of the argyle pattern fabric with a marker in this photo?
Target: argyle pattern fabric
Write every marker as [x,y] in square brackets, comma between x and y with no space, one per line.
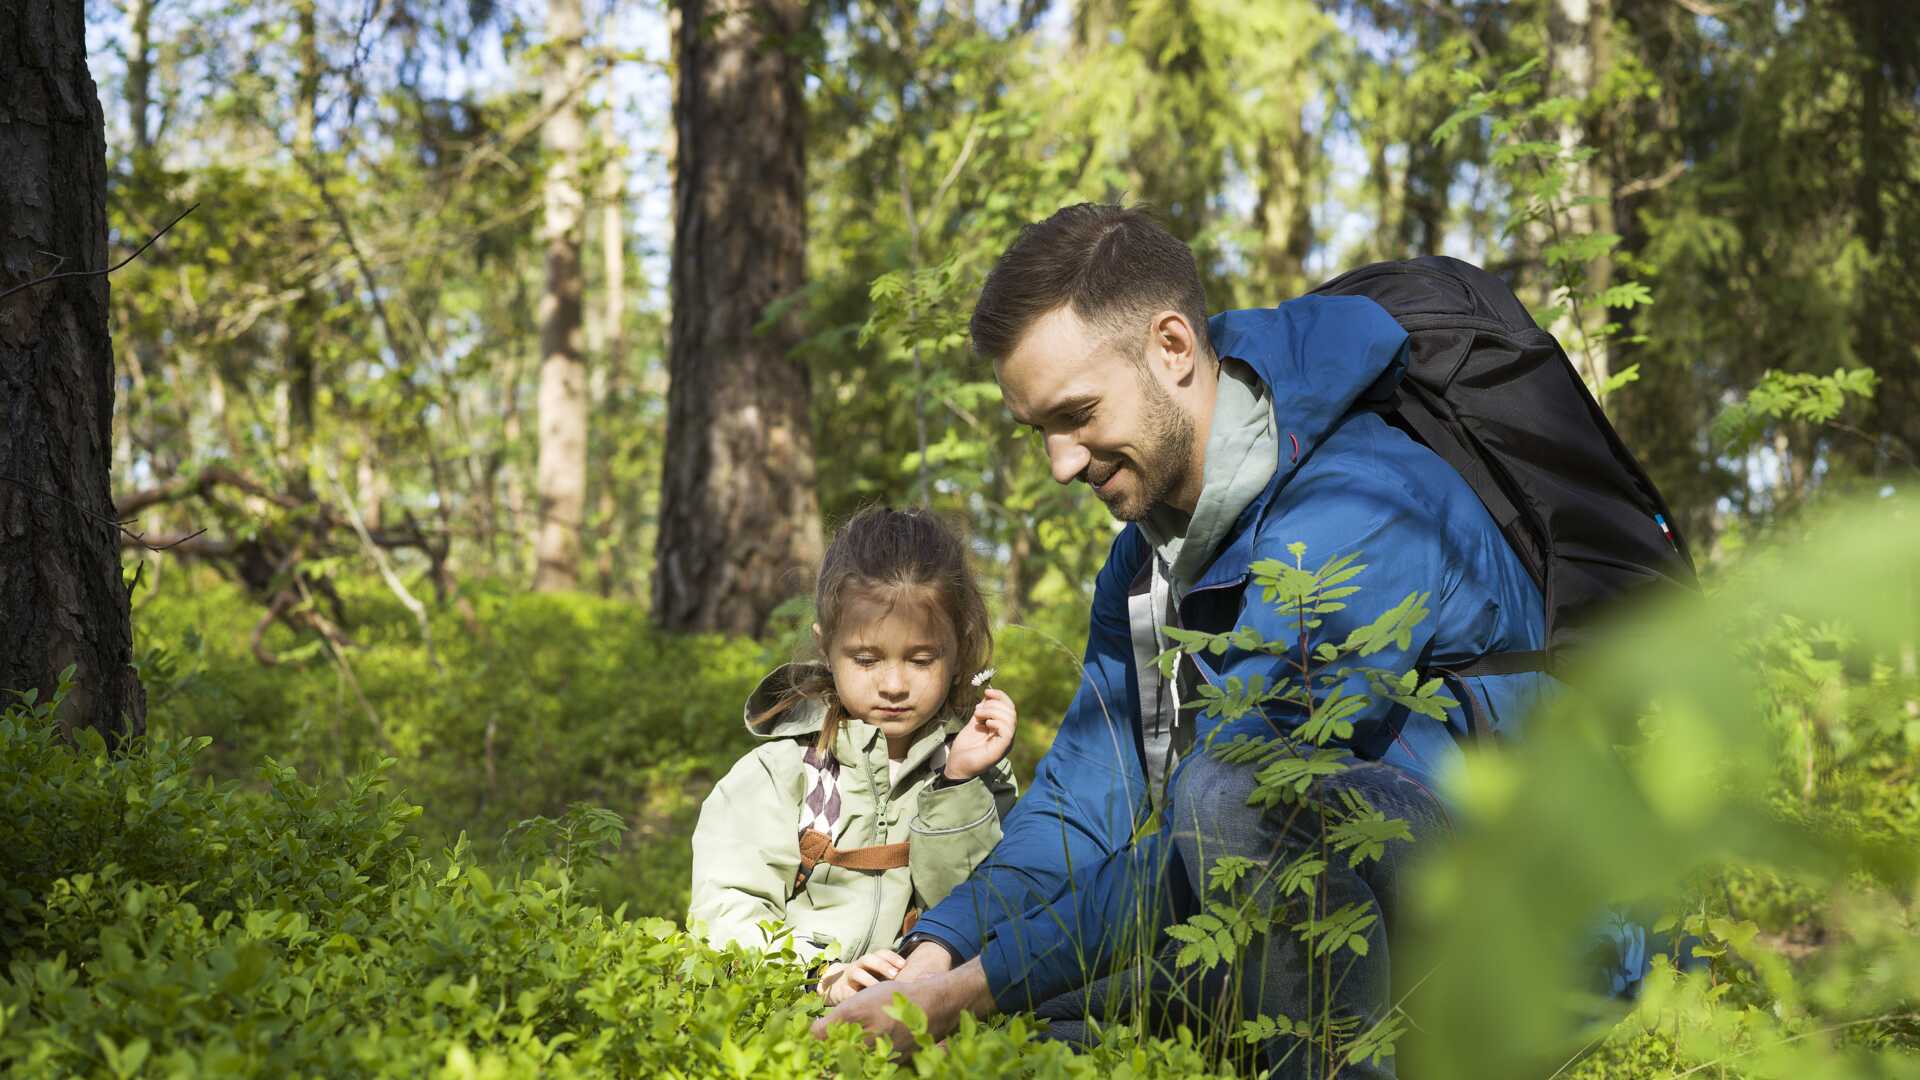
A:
[820,809]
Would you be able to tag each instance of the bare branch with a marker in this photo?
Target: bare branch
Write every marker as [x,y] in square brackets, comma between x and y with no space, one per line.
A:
[385,566]
[182,487]
[1703,9]
[1652,183]
[194,544]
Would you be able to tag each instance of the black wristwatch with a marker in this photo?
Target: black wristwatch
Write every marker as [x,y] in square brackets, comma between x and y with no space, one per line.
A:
[915,940]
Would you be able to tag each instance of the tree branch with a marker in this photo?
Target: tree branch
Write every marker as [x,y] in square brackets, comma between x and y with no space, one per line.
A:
[119,526]
[1652,183]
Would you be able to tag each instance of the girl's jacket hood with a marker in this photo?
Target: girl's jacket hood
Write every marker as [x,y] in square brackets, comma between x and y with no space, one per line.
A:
[803,717]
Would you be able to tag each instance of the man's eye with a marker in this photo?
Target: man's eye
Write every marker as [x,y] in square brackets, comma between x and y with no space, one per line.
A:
[1083,417]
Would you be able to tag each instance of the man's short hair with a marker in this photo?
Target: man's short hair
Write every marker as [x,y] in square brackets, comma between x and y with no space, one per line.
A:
[1116,266]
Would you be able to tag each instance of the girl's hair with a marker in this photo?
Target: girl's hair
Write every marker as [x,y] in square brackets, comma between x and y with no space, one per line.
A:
[886,551]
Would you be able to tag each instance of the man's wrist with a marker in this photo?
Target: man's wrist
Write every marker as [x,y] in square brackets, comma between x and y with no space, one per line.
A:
[917,939]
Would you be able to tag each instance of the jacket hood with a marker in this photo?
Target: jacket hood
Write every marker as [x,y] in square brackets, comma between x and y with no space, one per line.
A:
[803,717]
[1320,356]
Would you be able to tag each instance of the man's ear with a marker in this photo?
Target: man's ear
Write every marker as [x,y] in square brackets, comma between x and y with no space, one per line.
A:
[1172,339]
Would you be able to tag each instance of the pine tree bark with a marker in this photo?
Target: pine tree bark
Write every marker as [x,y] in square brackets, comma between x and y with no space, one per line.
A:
[561,472]
[739,514]
[62,600]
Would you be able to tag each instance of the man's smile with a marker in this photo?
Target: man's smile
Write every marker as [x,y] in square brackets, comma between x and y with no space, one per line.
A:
[1097,480]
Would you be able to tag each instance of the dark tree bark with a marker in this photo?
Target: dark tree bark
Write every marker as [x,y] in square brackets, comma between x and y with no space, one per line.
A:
[739,515]
[62,600]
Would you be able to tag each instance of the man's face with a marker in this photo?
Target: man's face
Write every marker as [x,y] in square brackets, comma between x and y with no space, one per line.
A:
[1105,418]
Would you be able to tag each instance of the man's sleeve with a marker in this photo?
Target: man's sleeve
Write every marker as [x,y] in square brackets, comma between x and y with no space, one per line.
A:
[1087,792]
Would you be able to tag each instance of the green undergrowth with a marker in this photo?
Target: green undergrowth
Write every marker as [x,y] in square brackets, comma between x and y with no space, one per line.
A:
[154,922]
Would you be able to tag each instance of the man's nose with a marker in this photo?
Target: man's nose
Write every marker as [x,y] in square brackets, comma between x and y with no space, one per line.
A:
[1066,457]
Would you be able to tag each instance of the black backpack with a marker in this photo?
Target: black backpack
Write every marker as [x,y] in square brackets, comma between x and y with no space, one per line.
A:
[1496,396]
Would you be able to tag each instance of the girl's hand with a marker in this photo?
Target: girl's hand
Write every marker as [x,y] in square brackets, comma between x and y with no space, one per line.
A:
[984,742]
[842,981]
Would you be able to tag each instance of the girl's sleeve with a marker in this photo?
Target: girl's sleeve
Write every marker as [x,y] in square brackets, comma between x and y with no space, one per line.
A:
[953,829]
[746,851]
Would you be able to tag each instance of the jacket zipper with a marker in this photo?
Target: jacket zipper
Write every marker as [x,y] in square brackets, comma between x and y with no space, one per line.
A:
[881,805]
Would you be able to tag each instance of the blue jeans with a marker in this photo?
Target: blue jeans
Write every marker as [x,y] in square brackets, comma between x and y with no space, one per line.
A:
[1209,819]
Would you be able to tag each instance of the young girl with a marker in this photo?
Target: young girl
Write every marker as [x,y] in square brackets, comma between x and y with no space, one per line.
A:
[881,776]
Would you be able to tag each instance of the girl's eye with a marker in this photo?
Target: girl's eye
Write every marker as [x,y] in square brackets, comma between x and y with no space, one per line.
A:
[866,661]
[923,661]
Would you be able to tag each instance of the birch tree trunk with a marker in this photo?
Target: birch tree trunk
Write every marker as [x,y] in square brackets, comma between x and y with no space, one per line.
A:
[561,472]
[62,600]
[739,514]
[1577,32]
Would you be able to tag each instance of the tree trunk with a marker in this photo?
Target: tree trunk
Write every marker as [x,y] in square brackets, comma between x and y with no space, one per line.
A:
[140,74]
[739,514]
[304,317]
[561,474]
[1284,207]
[62,600]
[613,254]
[1578,34]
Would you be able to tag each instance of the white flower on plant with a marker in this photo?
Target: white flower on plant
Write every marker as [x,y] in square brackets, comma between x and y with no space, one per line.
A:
[981,679]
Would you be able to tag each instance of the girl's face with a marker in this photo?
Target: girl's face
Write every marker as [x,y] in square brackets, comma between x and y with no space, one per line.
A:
[892,660]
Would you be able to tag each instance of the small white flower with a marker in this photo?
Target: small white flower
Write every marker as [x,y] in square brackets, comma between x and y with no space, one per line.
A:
[981,679]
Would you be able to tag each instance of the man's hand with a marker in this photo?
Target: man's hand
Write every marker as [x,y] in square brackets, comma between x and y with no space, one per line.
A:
[842,981]
[985,740]
[942,997]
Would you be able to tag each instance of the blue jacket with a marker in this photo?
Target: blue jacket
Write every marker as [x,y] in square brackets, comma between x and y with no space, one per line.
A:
[1071,884]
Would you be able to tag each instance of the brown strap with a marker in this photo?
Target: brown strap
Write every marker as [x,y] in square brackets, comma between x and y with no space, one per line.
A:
[906,924]
[817,847]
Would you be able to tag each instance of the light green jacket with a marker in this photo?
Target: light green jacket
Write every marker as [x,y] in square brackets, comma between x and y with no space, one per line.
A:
[746,847]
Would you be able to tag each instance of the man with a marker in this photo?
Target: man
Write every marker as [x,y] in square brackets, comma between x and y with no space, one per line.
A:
[1222,443]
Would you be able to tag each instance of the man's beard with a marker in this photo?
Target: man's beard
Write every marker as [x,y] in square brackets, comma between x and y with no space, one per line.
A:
[1166,450]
